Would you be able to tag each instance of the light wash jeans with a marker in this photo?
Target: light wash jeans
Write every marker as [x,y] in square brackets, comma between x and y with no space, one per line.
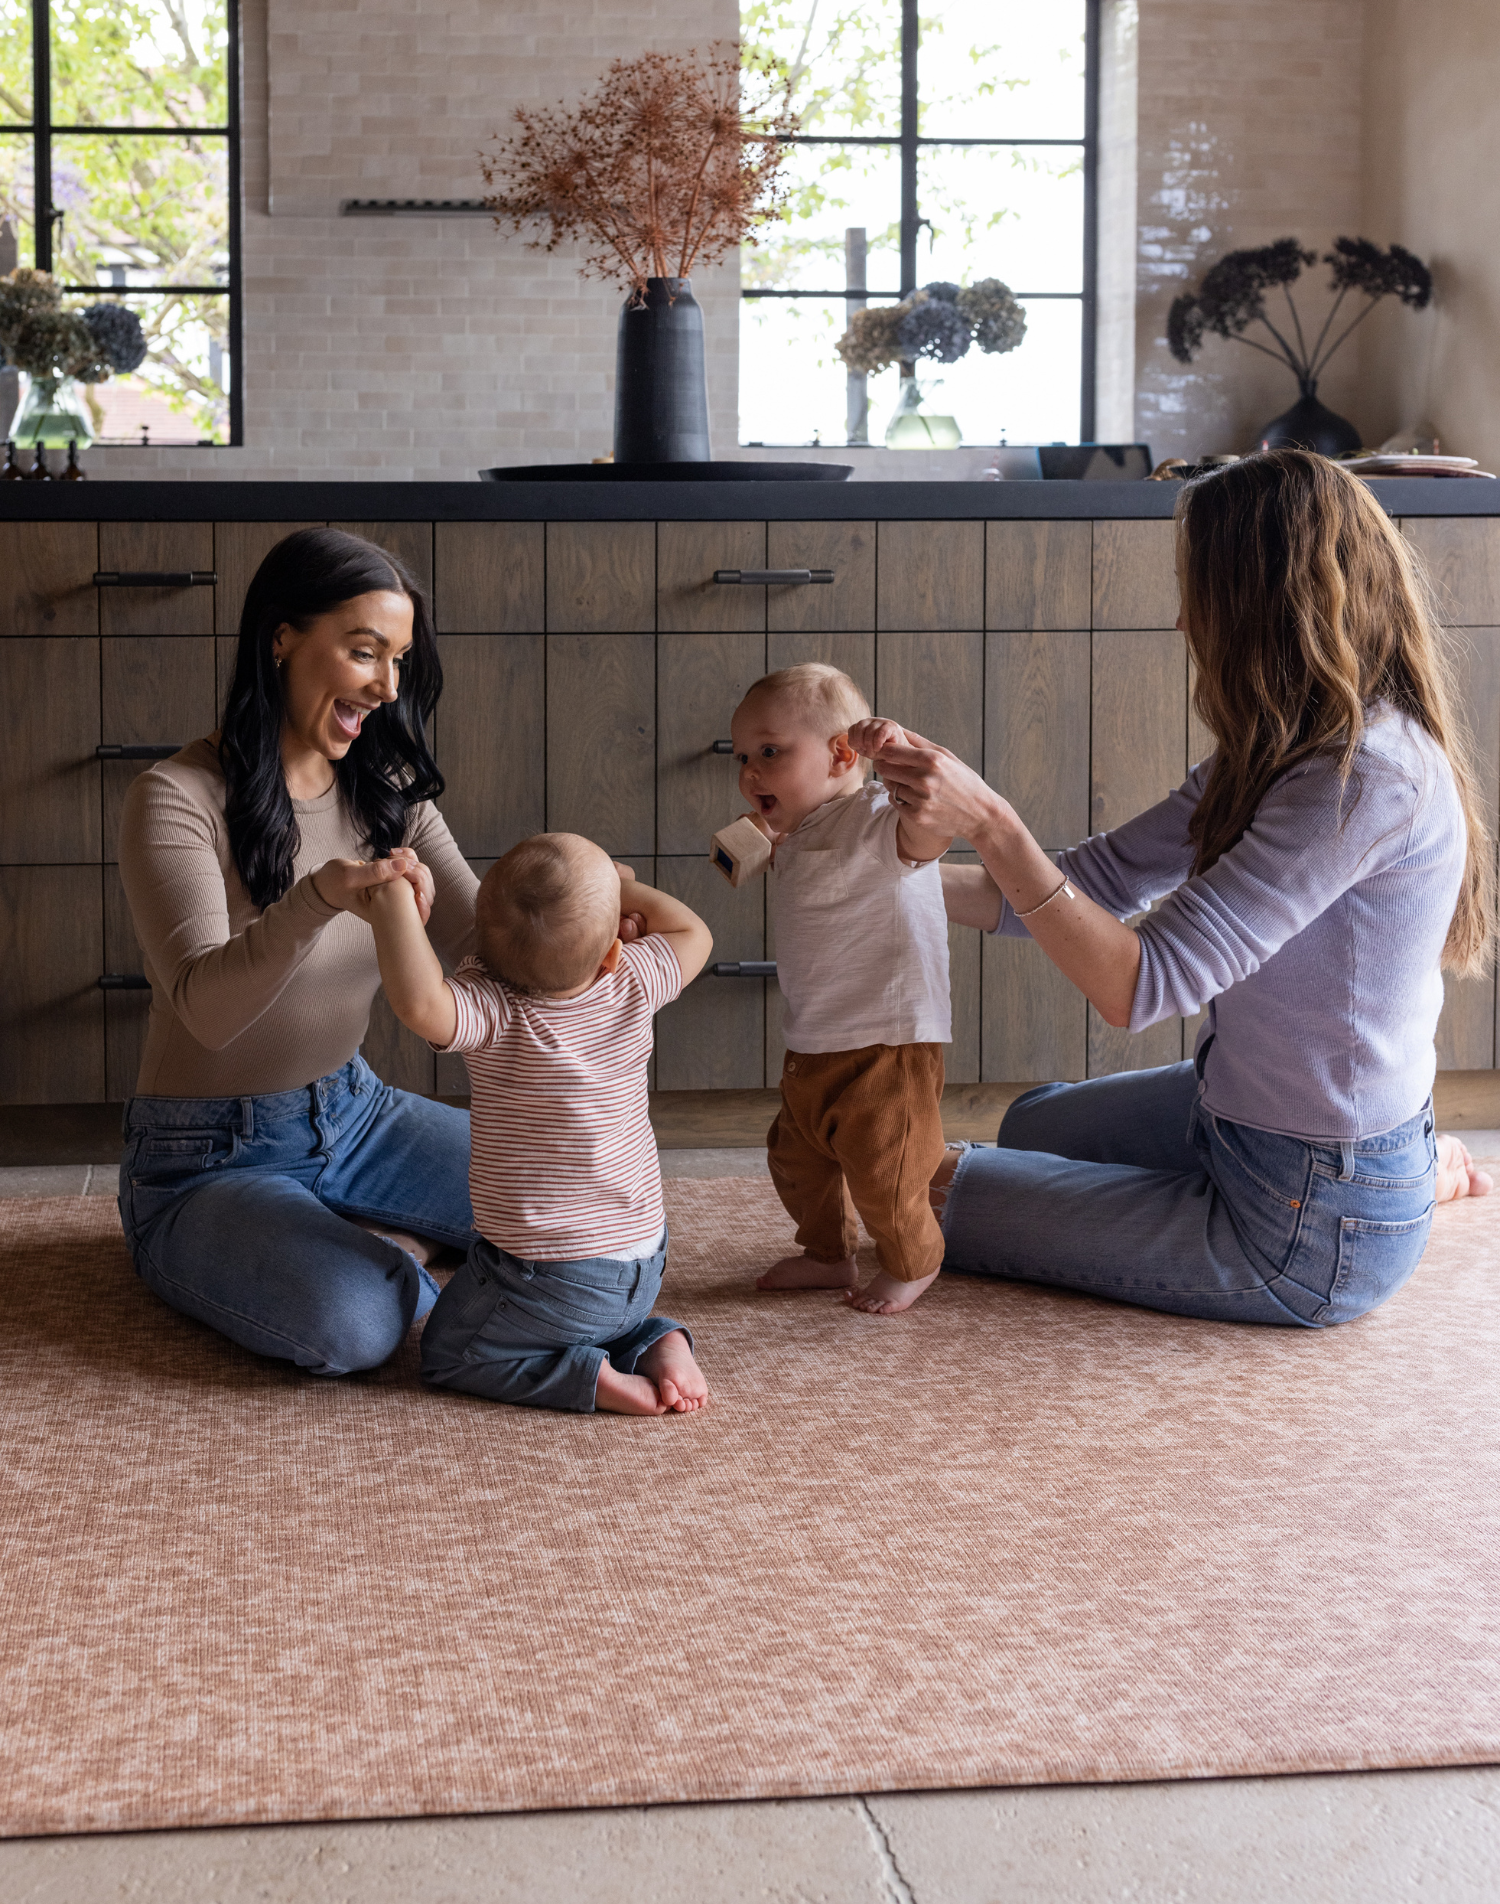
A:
[536,1333]
[1126,1187]
[234,1211]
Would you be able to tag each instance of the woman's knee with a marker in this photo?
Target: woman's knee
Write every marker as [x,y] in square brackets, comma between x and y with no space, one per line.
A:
[359,1332]
[1022,1121]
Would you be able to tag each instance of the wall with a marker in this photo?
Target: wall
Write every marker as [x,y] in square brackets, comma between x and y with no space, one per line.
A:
[1432,183]
[423,348]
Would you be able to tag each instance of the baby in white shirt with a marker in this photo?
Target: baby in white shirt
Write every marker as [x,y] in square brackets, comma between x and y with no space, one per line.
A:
[862,961]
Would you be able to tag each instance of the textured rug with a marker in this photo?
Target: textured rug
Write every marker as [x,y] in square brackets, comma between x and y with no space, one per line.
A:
[1012,1537]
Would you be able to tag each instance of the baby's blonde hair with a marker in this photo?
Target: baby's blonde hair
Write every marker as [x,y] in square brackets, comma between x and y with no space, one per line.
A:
[547,913]
[822,695]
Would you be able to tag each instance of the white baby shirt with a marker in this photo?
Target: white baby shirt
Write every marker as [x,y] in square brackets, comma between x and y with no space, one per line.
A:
[861,937]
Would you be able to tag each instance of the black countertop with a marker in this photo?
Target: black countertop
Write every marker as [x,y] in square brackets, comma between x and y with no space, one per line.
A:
[98,501]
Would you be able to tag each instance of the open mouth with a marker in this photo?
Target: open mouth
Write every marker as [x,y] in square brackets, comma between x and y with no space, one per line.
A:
[766,802]
[348,718]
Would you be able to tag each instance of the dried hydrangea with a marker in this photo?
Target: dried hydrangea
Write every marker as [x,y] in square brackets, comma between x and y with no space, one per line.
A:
[998,321]
[56,344]
[117,334]
[931,327]
[870,343]
[944,292]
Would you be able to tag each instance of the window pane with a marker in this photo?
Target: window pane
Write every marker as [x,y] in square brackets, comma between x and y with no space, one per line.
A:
[17,190]
[140,62]
[1001,69]
[1010,212]
[15,62]
[844,61]
[181,392]
[141,211]
[832,188]
[792,386]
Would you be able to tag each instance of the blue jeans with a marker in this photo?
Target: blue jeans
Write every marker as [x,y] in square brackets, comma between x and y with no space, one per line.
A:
[537,1333]
[234,1209]
[1126,1187]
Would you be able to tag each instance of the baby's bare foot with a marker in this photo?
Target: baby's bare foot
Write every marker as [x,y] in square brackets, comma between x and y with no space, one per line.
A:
[626,1394]
[884,1295]
[1457,1175]
[808,1272]
[679,1380]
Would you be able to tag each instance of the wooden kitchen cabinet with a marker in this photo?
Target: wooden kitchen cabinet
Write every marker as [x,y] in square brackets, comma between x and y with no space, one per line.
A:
[51,1007]
[47,578]
[490,740]
[700,680]
[157,548]
[601,739]
[49,771]
[153,689]
[930,575]
[489,577]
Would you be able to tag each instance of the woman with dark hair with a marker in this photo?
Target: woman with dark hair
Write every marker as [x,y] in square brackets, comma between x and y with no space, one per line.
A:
[272,1186]
[1315,874]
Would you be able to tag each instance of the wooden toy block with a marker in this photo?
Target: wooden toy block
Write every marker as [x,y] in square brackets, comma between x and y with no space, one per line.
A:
[740,851]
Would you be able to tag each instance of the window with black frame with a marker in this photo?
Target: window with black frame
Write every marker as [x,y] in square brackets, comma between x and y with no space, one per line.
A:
[941,141]
[119,174]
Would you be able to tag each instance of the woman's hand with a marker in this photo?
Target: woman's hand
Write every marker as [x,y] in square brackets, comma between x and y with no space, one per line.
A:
[342,883]
[934,785]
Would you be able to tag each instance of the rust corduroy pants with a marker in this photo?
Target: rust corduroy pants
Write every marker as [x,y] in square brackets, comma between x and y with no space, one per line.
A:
[862,1130]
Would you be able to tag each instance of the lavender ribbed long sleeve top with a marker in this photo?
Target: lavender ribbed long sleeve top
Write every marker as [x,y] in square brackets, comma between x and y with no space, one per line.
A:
[1315,941]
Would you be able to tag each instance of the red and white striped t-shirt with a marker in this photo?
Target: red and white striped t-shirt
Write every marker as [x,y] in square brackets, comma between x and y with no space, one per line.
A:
[562,1163]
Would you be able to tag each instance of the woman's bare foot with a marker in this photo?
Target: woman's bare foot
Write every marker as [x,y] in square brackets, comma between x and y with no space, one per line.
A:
[808,1272]
[626,1394]
[679,1380]
[1456,1172]
[884,1295]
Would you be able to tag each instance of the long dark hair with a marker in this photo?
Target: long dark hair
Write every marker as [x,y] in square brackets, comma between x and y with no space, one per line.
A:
[386,771]
[1303,607]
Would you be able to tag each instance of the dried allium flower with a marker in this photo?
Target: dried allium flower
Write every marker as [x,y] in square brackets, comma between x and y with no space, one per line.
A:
[870,343]
[933,328]
[998,320]
[665,165]
[1359,265]
[118,336]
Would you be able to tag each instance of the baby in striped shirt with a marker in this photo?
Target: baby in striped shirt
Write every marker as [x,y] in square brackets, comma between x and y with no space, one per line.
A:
[553,1307]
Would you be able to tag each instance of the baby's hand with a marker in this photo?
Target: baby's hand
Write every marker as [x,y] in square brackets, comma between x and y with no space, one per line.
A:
[632,924]
[872,737]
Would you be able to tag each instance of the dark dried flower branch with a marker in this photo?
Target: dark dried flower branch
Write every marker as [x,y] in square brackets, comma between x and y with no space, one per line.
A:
[1232,296]
[666,165]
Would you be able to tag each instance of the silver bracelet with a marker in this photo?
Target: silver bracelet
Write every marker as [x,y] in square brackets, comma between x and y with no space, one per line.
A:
[1062,891]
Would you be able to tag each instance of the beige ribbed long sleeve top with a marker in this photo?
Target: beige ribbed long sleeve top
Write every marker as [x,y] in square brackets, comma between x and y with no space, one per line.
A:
[243,1001]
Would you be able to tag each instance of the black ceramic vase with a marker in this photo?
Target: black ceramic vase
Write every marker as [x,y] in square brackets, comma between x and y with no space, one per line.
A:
[661,397]
[1310,425]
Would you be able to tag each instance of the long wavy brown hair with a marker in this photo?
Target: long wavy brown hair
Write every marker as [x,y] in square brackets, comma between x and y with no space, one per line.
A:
[1303,608]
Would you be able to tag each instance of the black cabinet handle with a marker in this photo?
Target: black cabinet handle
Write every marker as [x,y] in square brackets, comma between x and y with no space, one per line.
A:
[722,747]
[124,982]
[760,578]
[744,968]
[155,578]
[143,750]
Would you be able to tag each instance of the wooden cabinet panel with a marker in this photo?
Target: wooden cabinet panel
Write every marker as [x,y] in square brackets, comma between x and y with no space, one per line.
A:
[51,1008]
[1112,1050]
[125,1013]
[226,651]
[1200,742]
[1475,657]
[488,577]
[398,1056]
[601,739]
[713,1037]
[965,955]
[409,542]
[1038,575]
[1034,1028]
[853,654]
[934,684]
[49,776]
[47,578]
[930,575]
[601,577]
[1139,724]
[1135,579]
[1466,1028]
[156,546]
[450,1074]
[490,735]
[700,680]
[1462,556]
[151,688]
[848,601]
[239,550]
[1036,740]
[687,596]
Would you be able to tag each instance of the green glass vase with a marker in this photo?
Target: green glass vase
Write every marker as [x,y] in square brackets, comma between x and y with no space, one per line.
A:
[53,413]
[914,427]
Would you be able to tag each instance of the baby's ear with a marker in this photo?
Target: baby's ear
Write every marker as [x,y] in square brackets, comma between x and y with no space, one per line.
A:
[841,755]
[611,958]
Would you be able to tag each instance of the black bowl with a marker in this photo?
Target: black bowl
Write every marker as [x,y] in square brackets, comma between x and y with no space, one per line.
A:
[721,470]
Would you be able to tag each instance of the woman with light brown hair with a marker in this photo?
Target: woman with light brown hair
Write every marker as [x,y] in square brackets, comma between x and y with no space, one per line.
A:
[1316,874]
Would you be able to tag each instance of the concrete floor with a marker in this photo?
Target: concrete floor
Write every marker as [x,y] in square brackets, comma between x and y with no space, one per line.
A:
[1426,1837]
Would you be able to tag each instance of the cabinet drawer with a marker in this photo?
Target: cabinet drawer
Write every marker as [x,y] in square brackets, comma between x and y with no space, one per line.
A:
[51,1007]
[1135,575]
[848,550]
[713,1037]
[601,577]
[409,542]
[488,577]
[700,680]
[1038,575]
[1035,1024]
[239,550]
[1036,742]
[490,740]
[153,689]
[156,548]
[49,772]
[1139,724]
[688,554]
[930,575]
[601,739]
[851,653]
[47,578]
[125,1013]
[1462,557]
